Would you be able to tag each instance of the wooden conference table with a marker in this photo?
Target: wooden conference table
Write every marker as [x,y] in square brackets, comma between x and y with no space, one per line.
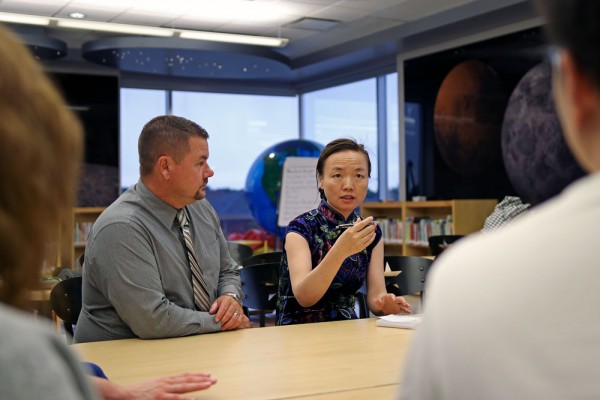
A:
[332,360]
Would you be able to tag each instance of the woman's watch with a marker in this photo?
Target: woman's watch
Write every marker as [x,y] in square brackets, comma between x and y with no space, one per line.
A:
[235,296]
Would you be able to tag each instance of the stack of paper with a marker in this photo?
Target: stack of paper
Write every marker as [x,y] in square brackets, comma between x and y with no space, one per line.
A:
[399,321]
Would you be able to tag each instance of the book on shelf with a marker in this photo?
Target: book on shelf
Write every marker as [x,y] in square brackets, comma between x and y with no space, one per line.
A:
[418,229]
[392,230]
[82,231]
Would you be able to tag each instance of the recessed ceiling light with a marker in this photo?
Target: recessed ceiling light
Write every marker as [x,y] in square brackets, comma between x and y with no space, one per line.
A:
[77,15]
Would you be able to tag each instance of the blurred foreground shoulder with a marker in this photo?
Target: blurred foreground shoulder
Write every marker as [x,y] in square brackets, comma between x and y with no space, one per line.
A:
[36,363]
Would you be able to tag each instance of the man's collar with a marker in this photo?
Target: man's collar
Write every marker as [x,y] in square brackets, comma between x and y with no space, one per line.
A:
[161,210]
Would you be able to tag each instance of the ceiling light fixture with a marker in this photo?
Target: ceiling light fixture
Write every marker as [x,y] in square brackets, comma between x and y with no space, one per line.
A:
[233,38]
[24,19]
[166,32]
[145,30]
[111,27]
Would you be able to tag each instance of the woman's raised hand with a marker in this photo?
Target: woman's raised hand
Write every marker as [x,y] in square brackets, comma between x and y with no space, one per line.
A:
[358,237]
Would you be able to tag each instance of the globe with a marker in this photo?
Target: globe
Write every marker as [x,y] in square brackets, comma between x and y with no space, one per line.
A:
[263,183]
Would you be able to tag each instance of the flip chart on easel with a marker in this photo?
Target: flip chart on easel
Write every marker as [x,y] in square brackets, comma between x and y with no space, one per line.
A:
[299,189]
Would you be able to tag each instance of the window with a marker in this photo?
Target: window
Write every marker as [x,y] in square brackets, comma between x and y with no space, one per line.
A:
[240,128]
[344,111]
[393,135]
[133,119]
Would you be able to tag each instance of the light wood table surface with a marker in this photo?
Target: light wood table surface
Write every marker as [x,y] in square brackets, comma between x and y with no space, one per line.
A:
[332,360]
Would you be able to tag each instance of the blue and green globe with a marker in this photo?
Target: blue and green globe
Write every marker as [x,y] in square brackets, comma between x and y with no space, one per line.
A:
[263,183]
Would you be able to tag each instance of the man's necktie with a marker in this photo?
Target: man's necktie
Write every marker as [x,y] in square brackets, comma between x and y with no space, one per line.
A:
[201,297]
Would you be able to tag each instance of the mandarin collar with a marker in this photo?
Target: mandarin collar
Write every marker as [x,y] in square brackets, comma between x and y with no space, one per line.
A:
[334,216]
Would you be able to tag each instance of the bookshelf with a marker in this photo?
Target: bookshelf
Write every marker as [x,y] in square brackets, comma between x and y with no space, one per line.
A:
[74,236]
[407,224]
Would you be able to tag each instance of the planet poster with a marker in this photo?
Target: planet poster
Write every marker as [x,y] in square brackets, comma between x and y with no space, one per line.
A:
[463,94]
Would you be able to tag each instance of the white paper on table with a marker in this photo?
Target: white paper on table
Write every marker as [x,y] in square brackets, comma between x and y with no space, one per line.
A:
[399,321]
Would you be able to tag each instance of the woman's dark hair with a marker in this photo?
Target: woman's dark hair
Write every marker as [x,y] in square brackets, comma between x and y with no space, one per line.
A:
[336,146]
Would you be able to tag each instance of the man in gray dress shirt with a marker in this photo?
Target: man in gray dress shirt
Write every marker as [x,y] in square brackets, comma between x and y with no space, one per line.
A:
[136,280]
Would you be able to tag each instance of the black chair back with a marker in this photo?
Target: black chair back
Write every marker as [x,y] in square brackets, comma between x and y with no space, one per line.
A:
[439,243]
[361,302]
[239,252]
[413,274]
[264,258]
[65,299]
[260,283]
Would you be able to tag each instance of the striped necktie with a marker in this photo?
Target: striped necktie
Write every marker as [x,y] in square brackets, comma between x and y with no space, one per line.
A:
[201,297]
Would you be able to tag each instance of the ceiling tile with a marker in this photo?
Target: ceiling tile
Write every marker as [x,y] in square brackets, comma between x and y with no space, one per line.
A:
[91,13]
[33,7]
[197,24]
[339,13]
[290,33]
[278,21]
[322,2]
[107,5]
[414,9]
[144,19]
[314,24]
[373,5]
[294,7]
[234,27]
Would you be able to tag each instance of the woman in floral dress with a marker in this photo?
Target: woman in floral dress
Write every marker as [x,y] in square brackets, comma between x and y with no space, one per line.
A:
[324,264]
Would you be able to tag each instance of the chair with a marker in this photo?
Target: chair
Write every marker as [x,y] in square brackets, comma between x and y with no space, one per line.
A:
[412,278]
[270,257]
[239,252]
[260,283]
[65,299]
[439,243]
[361,302]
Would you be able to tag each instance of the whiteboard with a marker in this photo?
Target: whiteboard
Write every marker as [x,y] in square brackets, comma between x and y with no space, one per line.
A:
[299,189]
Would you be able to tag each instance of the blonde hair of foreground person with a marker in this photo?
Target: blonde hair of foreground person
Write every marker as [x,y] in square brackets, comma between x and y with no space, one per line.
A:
[40,144]
[40,154]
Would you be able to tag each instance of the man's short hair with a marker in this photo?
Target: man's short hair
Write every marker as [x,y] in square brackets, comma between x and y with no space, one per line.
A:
[166,135]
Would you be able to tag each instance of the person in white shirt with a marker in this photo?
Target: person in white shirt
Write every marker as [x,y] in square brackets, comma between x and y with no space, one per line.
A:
[511,314]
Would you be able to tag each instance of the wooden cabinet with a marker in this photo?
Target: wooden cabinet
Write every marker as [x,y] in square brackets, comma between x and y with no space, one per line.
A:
[73,236]
[407,225]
